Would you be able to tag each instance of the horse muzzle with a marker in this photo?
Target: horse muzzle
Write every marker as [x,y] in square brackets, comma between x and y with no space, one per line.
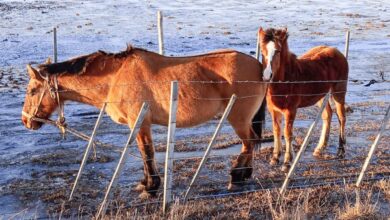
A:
[29,122]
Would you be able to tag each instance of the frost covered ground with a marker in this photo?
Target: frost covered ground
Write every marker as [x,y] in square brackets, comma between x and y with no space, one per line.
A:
[37,168]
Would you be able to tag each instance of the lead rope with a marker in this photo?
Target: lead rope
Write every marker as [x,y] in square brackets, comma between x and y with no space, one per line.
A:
[61,118]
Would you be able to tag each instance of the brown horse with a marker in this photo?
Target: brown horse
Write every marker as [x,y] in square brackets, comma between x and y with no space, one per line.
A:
[124,80]
[321,63]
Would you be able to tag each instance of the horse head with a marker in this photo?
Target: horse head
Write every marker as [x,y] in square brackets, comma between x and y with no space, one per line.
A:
[273,44]
[40,101]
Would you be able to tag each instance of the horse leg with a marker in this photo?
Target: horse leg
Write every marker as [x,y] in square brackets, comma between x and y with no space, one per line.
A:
[339,100]
[242,166]
[141,186]
[276,121]
[151,180]
[258,122]
[289,117]
[326,118]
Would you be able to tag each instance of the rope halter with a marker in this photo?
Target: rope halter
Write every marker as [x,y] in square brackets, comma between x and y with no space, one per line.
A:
[54,94]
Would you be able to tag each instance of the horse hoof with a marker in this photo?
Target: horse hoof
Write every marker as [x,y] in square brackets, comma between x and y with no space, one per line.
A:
[340,155]
[285,168]
[317,153]
[274,162]
[247,173]
[140,187]
[233,187]
[238,175]
[144,195]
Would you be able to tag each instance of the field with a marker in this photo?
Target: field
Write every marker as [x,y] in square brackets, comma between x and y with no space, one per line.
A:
[38,168]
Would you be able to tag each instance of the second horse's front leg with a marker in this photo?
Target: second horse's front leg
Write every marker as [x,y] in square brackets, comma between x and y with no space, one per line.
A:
[289,117]
[276,121]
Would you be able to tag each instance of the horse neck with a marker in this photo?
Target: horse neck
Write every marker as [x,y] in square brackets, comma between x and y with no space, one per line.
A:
[288,66]
[90,88]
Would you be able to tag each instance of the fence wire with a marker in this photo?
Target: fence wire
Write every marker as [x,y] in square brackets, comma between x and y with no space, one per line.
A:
[209,173]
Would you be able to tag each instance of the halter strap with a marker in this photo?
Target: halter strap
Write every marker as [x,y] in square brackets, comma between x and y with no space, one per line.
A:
[61,118]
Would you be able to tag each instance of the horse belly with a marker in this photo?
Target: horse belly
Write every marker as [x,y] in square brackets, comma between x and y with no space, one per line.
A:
[306,102]
[198,114]
[116,115]
[190,111]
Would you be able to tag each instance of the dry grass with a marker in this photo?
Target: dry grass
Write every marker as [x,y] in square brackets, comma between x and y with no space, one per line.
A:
[281,210]
[327,202]
[361,209]
[384,185]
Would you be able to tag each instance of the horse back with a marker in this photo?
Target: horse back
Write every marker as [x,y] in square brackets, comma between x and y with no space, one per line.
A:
[206,82]
[323,63]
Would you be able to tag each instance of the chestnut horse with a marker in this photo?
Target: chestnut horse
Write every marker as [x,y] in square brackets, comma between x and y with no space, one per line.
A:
[321,63]
[124,80]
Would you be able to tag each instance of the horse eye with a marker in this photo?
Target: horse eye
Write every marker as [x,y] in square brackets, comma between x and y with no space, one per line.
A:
[277,51]
[33,92]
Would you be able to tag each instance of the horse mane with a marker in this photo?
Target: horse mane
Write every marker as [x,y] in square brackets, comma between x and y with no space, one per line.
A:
[271,34]
[79,65]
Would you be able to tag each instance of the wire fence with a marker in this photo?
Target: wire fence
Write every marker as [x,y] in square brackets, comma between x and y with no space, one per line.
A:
[206,179]
[213,180]
[200,82]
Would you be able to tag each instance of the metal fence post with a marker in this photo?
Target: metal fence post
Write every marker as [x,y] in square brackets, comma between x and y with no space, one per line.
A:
[55,44]
[258,52]
[170,146]
[207,152]
[258,46]
[87,150]
[304,144]
[124,155]
[160,33]
[347,35]
[373,147]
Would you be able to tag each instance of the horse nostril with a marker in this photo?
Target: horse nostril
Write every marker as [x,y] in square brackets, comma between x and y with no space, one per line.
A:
[24,120]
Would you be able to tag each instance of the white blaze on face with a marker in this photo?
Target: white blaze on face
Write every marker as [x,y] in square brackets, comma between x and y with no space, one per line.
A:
[270,54]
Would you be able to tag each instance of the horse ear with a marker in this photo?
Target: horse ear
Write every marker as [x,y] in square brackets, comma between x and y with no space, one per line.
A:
[48,61]
[33,73]
[261,31]
[284,34]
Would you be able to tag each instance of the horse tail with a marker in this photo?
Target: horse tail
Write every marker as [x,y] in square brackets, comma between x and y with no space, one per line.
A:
[258,122]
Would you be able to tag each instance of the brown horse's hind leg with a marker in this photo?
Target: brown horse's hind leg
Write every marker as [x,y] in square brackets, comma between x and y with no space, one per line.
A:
[276,121]
[242,166]
[339,99]
[151,181]
[289,117]
[326,118]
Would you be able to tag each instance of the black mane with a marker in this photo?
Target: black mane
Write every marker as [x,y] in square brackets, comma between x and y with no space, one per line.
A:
[78,65]
[271,34]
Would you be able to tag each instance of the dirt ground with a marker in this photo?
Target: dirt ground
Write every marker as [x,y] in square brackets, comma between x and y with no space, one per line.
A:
[38,168]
